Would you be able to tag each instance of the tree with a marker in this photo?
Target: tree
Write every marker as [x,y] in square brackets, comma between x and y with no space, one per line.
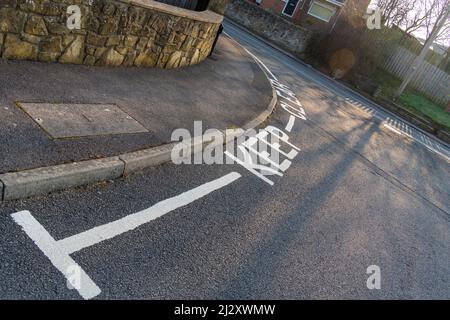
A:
[415,15]
[442,19]
[436,11]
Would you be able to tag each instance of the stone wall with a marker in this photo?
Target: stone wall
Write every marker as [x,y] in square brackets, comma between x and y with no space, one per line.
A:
[127,32]
[269,26]
[218,6]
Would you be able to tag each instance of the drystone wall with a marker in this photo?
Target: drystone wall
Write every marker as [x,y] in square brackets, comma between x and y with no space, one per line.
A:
[108,33]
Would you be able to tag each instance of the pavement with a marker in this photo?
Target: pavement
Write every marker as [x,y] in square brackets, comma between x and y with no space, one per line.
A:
[227,90]
[358,194]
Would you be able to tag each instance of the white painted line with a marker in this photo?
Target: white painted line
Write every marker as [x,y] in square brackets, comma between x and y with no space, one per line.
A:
[337,89]
[290,124]
[57,255]
[249,167]
[388,126]
[254,57]
[110,230]
[433,148]
[447,158]
[262,63]
[59,251]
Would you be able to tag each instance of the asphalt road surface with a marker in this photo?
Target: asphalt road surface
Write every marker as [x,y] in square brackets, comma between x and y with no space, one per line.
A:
[365,189]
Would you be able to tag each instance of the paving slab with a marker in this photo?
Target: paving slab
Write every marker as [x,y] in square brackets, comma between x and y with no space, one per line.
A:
[227,90]
[81,120]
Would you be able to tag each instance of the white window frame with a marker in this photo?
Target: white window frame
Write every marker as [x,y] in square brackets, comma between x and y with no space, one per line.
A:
[323,5]
[285,5]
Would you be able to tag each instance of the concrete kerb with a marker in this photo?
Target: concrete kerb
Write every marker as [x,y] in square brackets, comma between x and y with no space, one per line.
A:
[28,183]
[139,160]
[41,181]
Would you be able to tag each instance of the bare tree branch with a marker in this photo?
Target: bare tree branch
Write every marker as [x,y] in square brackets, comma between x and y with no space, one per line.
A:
[416,15]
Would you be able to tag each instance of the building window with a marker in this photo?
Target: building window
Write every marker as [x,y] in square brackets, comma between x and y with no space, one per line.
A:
[322,11]
[290,7]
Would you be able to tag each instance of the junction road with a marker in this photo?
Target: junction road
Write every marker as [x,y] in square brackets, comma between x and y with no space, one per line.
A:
[365,189]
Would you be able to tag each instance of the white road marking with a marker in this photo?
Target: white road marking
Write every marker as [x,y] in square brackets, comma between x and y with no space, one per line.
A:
[388,126]
[59,251]
[249,168]
[364,105]
[290,124]
[254,57]
[262,63]
[57,255]
[110,230]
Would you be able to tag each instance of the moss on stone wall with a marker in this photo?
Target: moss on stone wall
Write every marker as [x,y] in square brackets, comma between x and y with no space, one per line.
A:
[218,6]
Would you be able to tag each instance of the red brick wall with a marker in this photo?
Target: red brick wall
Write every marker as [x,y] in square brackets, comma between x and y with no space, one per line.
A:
[302,17]
[273,5]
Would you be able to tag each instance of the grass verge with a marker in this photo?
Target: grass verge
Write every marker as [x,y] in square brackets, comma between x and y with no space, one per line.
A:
[412,100]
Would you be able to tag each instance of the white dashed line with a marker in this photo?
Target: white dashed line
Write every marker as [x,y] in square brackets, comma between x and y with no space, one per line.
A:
[388,126]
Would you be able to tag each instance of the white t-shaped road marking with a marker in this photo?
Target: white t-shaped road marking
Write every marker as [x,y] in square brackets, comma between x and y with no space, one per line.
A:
[58,251]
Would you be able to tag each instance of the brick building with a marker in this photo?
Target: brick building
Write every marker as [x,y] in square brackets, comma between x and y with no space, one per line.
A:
[317,15]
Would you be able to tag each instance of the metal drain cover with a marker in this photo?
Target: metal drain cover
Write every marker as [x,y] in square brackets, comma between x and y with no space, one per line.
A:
[80,120]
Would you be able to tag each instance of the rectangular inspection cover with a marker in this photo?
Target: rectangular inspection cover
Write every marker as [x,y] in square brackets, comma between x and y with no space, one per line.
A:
[62,120]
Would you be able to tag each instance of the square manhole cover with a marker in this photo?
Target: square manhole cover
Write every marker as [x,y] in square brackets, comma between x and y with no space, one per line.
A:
[80,120]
